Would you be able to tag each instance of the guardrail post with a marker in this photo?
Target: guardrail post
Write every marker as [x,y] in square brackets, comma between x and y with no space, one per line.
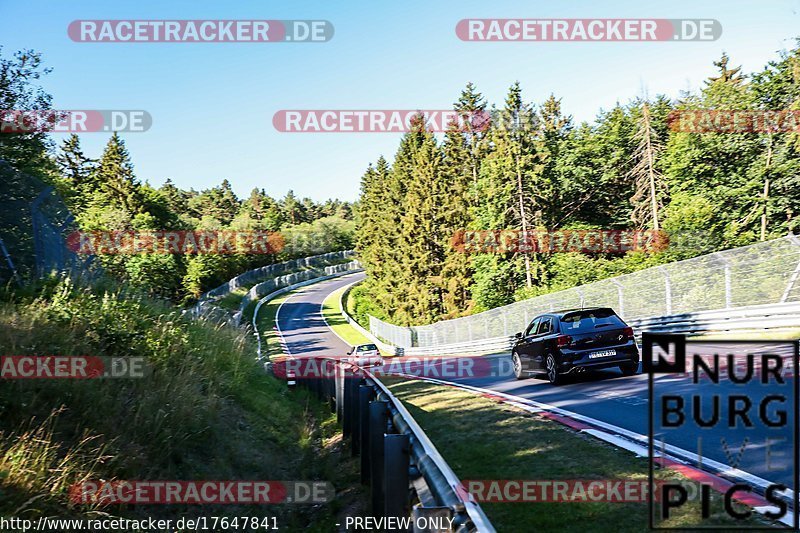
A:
[395,475]
[365,395]
[347,403]
[378,417]
[339,387]
[351,404]
[331,384]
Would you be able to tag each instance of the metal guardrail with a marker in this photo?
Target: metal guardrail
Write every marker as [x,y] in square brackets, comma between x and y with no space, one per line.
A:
[770,317]
[395,452]
[265,273]
[273,287]
[756,317]
[311,275]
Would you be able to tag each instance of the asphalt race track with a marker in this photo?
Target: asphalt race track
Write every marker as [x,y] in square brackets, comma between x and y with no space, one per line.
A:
[302,326]
[603,395]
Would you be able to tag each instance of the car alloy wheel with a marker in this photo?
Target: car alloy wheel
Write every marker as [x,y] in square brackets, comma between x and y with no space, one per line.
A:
[517,364]
[552,372]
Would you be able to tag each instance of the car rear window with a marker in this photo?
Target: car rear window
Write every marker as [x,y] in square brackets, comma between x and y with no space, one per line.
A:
[590,320]
[366,348]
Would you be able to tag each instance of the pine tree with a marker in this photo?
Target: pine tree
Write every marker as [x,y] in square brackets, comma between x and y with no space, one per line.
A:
[421,236]
[293,209]
[726,75]
[472,104]
[554,129]
[77,169]
[114,178]
[459,169]
[512,171]
[368,213]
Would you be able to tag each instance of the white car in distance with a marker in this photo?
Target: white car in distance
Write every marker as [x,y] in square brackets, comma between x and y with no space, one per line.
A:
[365,355]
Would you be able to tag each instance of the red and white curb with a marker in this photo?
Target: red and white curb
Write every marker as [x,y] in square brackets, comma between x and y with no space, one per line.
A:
[672,457]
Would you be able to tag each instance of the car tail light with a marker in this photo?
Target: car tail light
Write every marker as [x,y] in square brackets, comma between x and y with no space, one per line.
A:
[563,340]
[628,332]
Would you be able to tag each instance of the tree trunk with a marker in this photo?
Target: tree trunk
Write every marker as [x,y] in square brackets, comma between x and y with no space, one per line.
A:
[766,192]
[520,192]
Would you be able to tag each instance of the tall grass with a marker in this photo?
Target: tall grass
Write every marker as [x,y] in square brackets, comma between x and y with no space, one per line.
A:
[205,411]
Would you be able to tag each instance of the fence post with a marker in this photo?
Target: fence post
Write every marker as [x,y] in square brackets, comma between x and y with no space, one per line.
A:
[378,416]
[395,474]
[728,295]
[726,265]
[795,274]
[667,290]
[619,297]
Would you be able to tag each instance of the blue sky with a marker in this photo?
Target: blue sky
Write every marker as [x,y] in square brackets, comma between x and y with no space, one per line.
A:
[212,104]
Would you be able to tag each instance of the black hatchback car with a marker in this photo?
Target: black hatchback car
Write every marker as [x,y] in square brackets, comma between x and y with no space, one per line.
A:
[574,340]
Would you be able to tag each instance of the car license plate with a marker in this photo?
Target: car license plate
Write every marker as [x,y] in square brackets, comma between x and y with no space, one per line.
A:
[604,353]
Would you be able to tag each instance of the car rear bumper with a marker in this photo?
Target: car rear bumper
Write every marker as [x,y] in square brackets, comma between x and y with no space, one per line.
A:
[581,361]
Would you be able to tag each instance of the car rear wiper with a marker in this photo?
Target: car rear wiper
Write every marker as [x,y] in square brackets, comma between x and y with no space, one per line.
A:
[602,325]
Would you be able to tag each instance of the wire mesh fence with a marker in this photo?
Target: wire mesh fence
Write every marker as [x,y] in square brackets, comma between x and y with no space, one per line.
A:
[763,273]
[34,226]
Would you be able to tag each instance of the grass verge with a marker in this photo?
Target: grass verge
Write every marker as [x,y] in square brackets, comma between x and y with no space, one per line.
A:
[207,411]
[332,313]
[485,440]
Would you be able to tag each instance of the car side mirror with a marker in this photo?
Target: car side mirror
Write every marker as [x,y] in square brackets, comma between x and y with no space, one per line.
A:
[518,335]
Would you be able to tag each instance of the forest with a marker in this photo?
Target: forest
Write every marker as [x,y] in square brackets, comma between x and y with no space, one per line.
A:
[534,169]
